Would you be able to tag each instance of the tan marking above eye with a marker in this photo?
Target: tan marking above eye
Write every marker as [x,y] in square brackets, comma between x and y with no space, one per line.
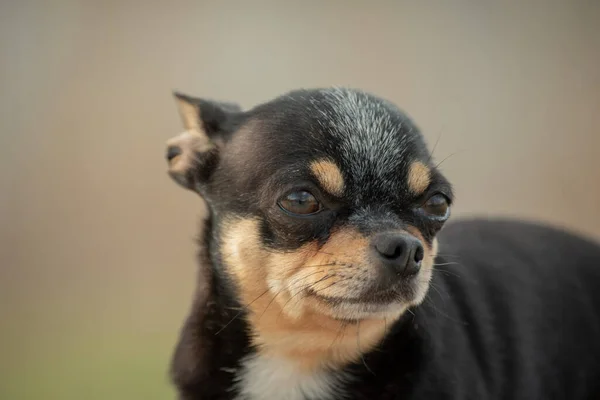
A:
[419,177]
[329,176]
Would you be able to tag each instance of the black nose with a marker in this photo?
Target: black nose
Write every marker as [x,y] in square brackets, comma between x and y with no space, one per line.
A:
[402,253]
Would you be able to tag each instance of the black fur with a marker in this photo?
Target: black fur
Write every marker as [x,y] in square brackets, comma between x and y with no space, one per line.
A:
[513,307]
[513,313]
[214,337]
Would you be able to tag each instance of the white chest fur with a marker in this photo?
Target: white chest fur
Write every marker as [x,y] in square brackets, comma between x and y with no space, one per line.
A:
[262,378]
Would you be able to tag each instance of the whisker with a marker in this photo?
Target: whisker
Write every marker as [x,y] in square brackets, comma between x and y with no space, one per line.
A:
[240,312]
[334,283]
[448,263]
[321,265]
[324,252]
[308,286]
[269,303]
[362,357]
[436,289]
[293,283]
[307,276]
[447,255]
[331,265]
[434,146]
[439,312]
[339,334]
[447,157]
[446,272]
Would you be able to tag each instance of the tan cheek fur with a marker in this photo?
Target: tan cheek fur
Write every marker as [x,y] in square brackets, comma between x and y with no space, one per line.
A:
[284,321]
[329,176]
[419,177]
[301,332]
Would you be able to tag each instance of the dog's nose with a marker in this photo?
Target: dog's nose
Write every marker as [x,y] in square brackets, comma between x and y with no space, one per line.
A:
[401,253]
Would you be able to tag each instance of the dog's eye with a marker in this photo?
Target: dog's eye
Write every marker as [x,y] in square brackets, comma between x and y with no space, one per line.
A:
[436,206]
[301,203]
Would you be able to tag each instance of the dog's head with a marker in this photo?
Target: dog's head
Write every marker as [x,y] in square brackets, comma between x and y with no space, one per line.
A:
[325,205]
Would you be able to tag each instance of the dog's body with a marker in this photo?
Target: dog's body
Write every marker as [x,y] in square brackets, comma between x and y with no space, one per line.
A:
[327,282]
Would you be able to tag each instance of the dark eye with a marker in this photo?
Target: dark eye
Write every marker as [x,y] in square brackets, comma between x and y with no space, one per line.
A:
[436,206]
[301,203]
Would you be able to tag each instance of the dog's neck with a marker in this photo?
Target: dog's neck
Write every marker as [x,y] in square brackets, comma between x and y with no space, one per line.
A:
[214,339]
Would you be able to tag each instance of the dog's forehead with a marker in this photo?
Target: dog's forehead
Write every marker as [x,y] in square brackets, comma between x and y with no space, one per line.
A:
[374,137]
[368,138]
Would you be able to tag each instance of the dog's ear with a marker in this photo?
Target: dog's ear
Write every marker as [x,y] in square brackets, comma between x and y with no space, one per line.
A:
[193,154]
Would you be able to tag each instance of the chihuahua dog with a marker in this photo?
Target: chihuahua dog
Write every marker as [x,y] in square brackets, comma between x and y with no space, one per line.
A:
[325,272]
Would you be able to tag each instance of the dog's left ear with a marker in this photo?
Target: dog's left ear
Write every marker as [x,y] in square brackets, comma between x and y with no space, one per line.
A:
[194,154]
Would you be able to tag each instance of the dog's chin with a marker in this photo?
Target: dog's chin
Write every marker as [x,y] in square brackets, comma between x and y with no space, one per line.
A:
[352,312]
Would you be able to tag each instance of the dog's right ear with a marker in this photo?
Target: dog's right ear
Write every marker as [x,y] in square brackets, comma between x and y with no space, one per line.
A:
[193,154]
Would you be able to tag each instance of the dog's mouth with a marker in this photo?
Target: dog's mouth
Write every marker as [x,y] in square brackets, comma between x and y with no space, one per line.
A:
[400,292]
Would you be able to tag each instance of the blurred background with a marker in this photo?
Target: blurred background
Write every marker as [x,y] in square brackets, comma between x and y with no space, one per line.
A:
[97,246]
